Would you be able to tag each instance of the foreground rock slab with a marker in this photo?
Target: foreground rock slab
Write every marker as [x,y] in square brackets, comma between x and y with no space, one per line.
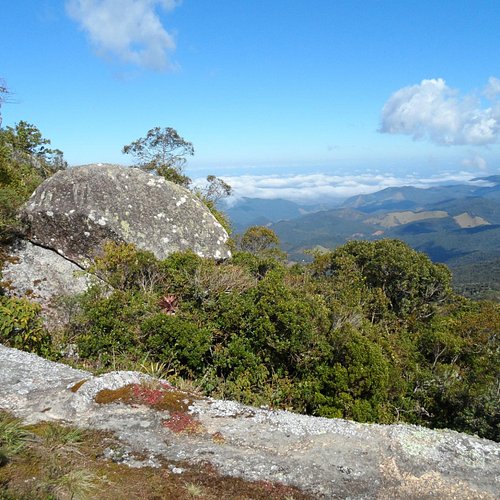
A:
[329,458]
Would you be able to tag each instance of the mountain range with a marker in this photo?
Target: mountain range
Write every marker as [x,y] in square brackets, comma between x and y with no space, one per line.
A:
[458,225]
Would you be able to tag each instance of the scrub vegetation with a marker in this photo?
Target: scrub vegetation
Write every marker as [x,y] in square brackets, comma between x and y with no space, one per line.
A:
[369,331]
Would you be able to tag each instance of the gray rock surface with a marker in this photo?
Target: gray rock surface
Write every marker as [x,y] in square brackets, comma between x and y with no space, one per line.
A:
[329,458]
[41,273]
[77,210]
[44,277]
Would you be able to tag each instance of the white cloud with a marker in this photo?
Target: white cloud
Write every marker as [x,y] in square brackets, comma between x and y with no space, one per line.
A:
[128,29]
[317,188]
[493,88]
[475,161]
[432,110]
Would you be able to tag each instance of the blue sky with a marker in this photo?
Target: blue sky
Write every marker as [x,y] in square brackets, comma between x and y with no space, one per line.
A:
[292,93]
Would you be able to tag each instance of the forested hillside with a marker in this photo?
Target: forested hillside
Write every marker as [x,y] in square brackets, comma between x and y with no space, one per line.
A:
[456,225]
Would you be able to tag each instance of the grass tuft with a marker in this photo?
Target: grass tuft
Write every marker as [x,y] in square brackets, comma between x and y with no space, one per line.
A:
[57,436]
[77,484]
[12,437]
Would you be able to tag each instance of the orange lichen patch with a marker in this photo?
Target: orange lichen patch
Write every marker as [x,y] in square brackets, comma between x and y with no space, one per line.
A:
[7,284]
[183,422]
[160,397]
[9,258]
[78,385]
[218,438]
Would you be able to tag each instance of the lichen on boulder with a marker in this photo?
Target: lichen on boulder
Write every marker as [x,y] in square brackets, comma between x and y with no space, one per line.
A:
[77,210]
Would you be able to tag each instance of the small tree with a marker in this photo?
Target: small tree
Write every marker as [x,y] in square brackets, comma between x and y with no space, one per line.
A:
[211,193]
[216,189]
[27,145]
[4,92]
[164,152]
[260,240]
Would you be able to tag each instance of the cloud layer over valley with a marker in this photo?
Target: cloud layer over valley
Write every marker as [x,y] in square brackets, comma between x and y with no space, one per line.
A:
[319,188]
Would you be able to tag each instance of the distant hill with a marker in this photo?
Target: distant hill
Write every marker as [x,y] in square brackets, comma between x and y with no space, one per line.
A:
[458,225]
[412,198]
[408,197]
[247,212]
[476,206]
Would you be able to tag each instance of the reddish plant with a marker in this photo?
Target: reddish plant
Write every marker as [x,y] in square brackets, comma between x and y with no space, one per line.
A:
[169,304]
[147,395]
[182,422]
[160,397]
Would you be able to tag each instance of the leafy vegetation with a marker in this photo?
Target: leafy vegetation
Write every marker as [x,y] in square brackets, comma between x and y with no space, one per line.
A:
[370,331]
[21,325]
[25,161]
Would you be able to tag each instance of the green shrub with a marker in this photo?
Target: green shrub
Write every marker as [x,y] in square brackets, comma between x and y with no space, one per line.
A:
[458,384]
[411,283]
[25,161]
[352,379]
[177,342]
[21,325]
[124,267]
[108,325]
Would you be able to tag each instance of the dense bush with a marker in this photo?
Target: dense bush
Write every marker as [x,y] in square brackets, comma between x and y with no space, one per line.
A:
[25,161]
[357,334]
[177,342]
[369,332]
[21,325]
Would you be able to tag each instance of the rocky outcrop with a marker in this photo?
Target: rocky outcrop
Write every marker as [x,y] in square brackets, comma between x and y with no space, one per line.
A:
[73,214]
[77,210]
[329,458]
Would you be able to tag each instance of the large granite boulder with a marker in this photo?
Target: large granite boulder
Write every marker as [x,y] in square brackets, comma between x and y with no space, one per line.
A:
[77,210]
[70,217]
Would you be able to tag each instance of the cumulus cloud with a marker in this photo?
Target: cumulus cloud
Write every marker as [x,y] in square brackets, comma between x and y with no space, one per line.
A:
[311,188]
[432,110]
[128,29]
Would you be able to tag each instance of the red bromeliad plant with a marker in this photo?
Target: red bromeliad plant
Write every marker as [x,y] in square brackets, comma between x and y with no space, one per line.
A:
[169,304]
